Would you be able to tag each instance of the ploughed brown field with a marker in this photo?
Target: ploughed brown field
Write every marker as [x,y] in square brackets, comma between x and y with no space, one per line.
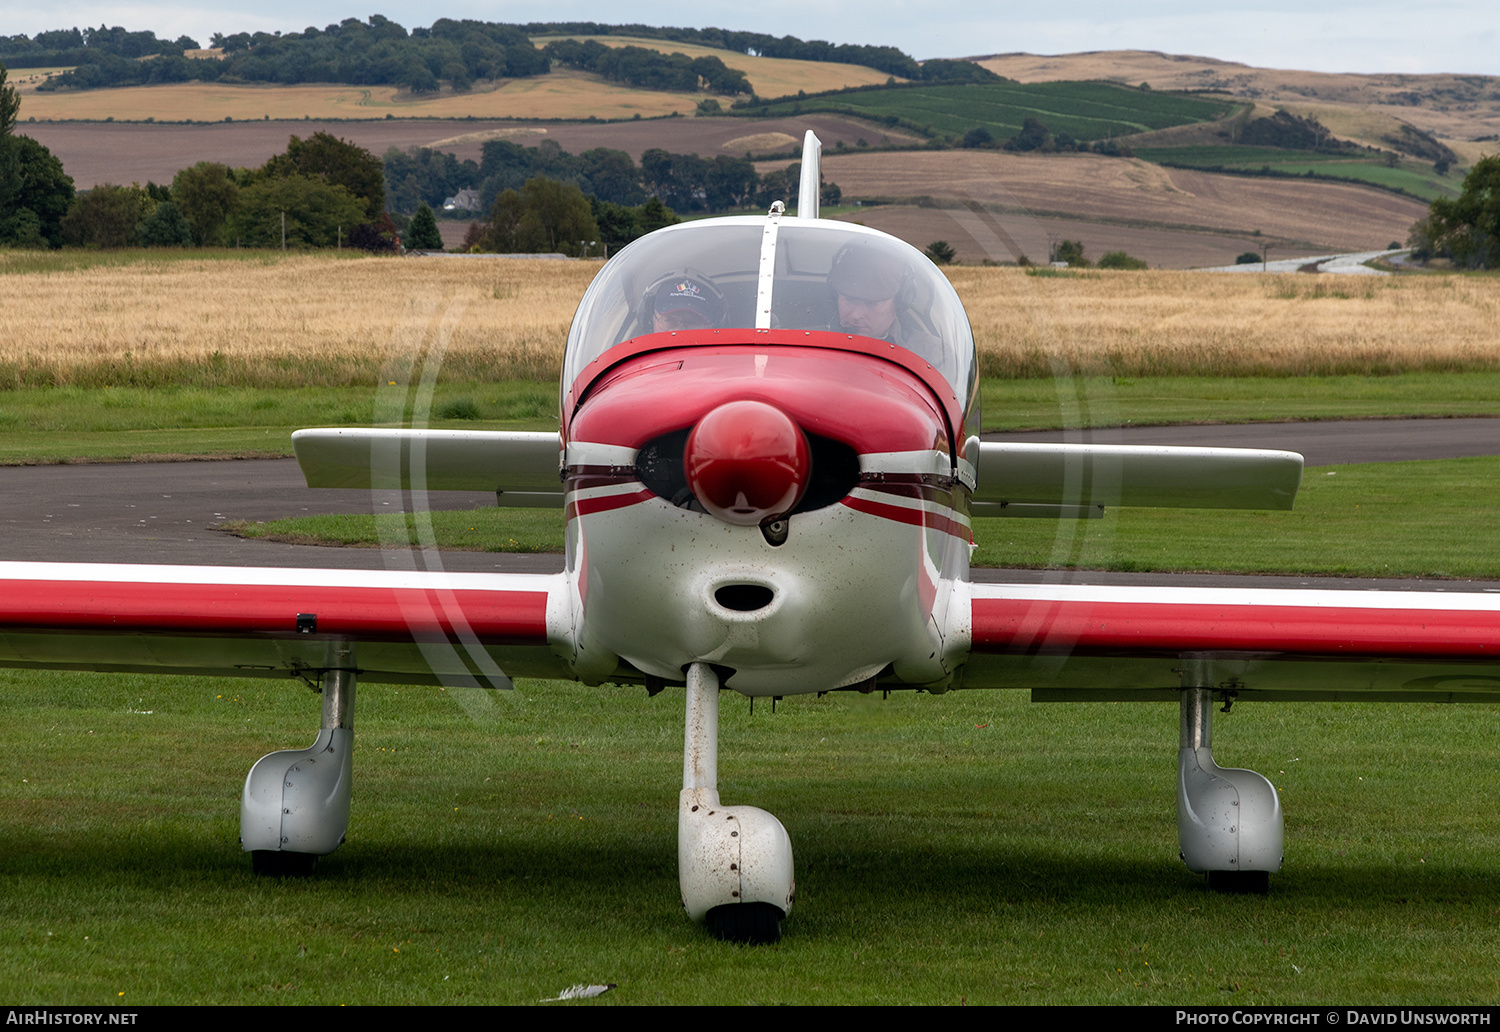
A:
[1174,218]
[274,321]
[94,153]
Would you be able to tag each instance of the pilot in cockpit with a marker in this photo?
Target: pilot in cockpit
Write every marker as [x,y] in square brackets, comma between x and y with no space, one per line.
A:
[681,302]
[874,289]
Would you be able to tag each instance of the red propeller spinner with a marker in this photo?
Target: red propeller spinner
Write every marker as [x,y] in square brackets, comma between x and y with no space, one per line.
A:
[747,462]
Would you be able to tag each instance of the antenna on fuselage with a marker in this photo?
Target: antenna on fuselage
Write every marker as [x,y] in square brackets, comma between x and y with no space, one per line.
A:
[808,186]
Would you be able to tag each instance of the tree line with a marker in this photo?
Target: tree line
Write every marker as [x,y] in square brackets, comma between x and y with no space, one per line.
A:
[1464,229]
[375,53]
[890,60]
[684,182]
[453,51]
[544,199]
[649,69]
[320,192]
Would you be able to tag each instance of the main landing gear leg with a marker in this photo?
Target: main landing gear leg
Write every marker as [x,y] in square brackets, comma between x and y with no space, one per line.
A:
[734,863]
[296,802]
[1228,820]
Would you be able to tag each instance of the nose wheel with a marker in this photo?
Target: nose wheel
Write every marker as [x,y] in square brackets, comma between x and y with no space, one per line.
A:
[734,862]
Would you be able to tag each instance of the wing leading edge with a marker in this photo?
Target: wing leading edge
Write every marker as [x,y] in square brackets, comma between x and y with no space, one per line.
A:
[1027,476]
[521,467]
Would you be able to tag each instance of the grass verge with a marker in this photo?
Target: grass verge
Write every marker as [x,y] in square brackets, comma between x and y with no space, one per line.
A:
[1081,401]
[1406,519]
[55,424]
[965,848]
[52,424]
[1388,519]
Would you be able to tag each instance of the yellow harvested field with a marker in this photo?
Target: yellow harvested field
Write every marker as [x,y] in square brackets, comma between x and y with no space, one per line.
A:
[485,135]
[1217,324]
[272,321]
[759,143]
[769,76]
[561,94]
[275,321]
[1335,216]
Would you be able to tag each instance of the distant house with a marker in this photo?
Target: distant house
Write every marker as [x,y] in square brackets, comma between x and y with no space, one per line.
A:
[464,200]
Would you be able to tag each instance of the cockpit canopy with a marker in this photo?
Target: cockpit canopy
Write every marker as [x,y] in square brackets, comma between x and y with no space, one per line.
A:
[824,275]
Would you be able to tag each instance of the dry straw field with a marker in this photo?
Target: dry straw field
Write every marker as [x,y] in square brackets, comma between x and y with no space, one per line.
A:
[562,93]
[274,321]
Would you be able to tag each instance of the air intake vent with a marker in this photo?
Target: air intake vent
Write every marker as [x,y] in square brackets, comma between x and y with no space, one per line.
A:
[744,598]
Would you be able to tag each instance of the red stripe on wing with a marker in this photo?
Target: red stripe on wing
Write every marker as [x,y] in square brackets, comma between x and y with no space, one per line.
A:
[399,614]
[1033,625]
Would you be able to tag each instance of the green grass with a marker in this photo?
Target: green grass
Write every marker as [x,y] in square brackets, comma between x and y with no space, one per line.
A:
[474,530]
[971,847]
[48,424]
[1088,110]
[1413,177]
[1151,401]
[1389,519]
[54,424]
[16,262]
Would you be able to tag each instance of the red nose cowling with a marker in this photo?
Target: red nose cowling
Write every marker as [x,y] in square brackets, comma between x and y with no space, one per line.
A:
[747,462]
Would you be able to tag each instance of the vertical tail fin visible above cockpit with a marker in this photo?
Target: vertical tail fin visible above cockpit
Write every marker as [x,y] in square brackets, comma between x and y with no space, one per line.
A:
[809,186]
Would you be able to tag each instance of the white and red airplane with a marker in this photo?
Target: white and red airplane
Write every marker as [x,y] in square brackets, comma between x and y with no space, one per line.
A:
[768,463]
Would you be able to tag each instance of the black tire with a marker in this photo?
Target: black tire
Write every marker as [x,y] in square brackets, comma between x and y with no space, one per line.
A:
[273,863]
[755,923]
[1240,883]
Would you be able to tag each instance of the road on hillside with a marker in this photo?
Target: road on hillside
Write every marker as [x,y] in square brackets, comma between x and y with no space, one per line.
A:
[166,512]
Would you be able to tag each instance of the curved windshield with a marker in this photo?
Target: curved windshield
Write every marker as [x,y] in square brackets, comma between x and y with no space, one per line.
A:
[824,275]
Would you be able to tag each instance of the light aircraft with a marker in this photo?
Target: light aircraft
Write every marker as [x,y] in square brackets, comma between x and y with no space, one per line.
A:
[768,462]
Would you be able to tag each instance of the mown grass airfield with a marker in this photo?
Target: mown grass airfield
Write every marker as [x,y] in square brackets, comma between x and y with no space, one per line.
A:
[973,846]
[970,847]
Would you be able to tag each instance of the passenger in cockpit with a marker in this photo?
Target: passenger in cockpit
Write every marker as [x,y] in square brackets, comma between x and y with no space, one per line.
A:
[874,289]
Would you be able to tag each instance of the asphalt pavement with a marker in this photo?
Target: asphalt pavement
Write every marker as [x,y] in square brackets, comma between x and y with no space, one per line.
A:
[170,512]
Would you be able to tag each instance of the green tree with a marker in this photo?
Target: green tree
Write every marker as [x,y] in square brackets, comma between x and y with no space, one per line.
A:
[10,105]
[1033,136]
[655,215]
[1071,251]
[941,252]
[164,227]
[207,195]
[337,163]
[557,218]
[315,213]
[1465,228]
[979,136]
[35,193]
[1120,260]
[422,234]
[106,216]
[503,234]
